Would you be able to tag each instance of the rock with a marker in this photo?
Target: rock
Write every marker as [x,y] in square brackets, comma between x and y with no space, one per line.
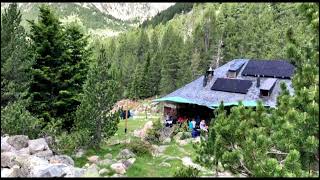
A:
[143,132]
[196,140]
[6,172]
[49,140]
[18,141]
[93,159]
[92,171]
[182,142]
[8,159]
[118,175]
[158,150]
[165,164]
[118,168]
[44,154]
[125,154]
[80,153]
[108,156]
[73,172]
[86,165]
[186,161]
[171,158]
[128,163]
[37,145]
[62,159]
[23,151]
[104,171]
[177,136]
[5,147]
[51,170]
[29,162]
[105,162]
[166,140]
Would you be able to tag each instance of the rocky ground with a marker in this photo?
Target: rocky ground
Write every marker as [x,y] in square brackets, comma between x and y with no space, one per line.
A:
[22,157]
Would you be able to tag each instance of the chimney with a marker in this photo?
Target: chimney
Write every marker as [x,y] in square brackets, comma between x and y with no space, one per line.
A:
[258,81]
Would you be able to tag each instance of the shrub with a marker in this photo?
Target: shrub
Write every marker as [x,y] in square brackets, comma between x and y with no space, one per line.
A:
[16,119]
[153,135]
[139,147]
[187,172]
[185,135]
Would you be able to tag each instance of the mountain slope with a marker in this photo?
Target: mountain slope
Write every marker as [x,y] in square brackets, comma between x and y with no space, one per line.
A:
[96,17]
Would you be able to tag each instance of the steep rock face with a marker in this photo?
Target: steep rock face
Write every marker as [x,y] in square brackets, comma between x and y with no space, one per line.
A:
[131,11]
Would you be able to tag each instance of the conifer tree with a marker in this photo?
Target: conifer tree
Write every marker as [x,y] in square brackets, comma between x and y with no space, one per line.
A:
[93,114]
[59,69]
[16,57]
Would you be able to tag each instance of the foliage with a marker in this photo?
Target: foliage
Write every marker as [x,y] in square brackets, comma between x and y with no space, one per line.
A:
[185,135]
[139,147]
[68,143]
[168,14]
[94,114]
[16,57]
[187,172]
[153,134]
[15,119]
[59,69]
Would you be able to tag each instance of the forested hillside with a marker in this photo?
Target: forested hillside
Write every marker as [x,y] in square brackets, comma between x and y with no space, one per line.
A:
[58,81]
[168,14]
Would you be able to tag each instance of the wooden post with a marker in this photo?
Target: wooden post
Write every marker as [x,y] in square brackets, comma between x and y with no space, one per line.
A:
[126,123]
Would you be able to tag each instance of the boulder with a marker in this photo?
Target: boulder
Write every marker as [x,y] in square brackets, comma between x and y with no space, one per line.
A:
[183,142]
[143,132]
[8,159]
[118,168]
[50,170]
[104,171]
[18,141]
[6,172]
[5,147]
[37,145]
[23,151]
[166,140]
[92,171]
[165,164]
[105,162]
[62,159]
[125,154]
[108,156]
[80,153]
[93,159]
[73,172]
[128,163]
[158,150]
[47,154]
[27,161]
[177,136]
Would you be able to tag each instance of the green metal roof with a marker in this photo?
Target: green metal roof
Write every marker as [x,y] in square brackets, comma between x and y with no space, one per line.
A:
[211,106]
[245,103]
[179,100]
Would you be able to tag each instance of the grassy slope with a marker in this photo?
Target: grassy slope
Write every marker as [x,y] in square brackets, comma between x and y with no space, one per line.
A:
[144,166]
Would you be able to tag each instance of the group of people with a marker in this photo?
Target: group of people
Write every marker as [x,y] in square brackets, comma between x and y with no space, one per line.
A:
[194,124]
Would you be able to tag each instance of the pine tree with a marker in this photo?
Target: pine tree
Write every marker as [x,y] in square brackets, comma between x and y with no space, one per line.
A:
[59,68]
[155,65]
[171,44]
[16,57]
[93,114]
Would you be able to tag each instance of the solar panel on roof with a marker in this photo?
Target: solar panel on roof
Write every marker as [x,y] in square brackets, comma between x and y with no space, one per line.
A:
[231,85]
[269,68]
